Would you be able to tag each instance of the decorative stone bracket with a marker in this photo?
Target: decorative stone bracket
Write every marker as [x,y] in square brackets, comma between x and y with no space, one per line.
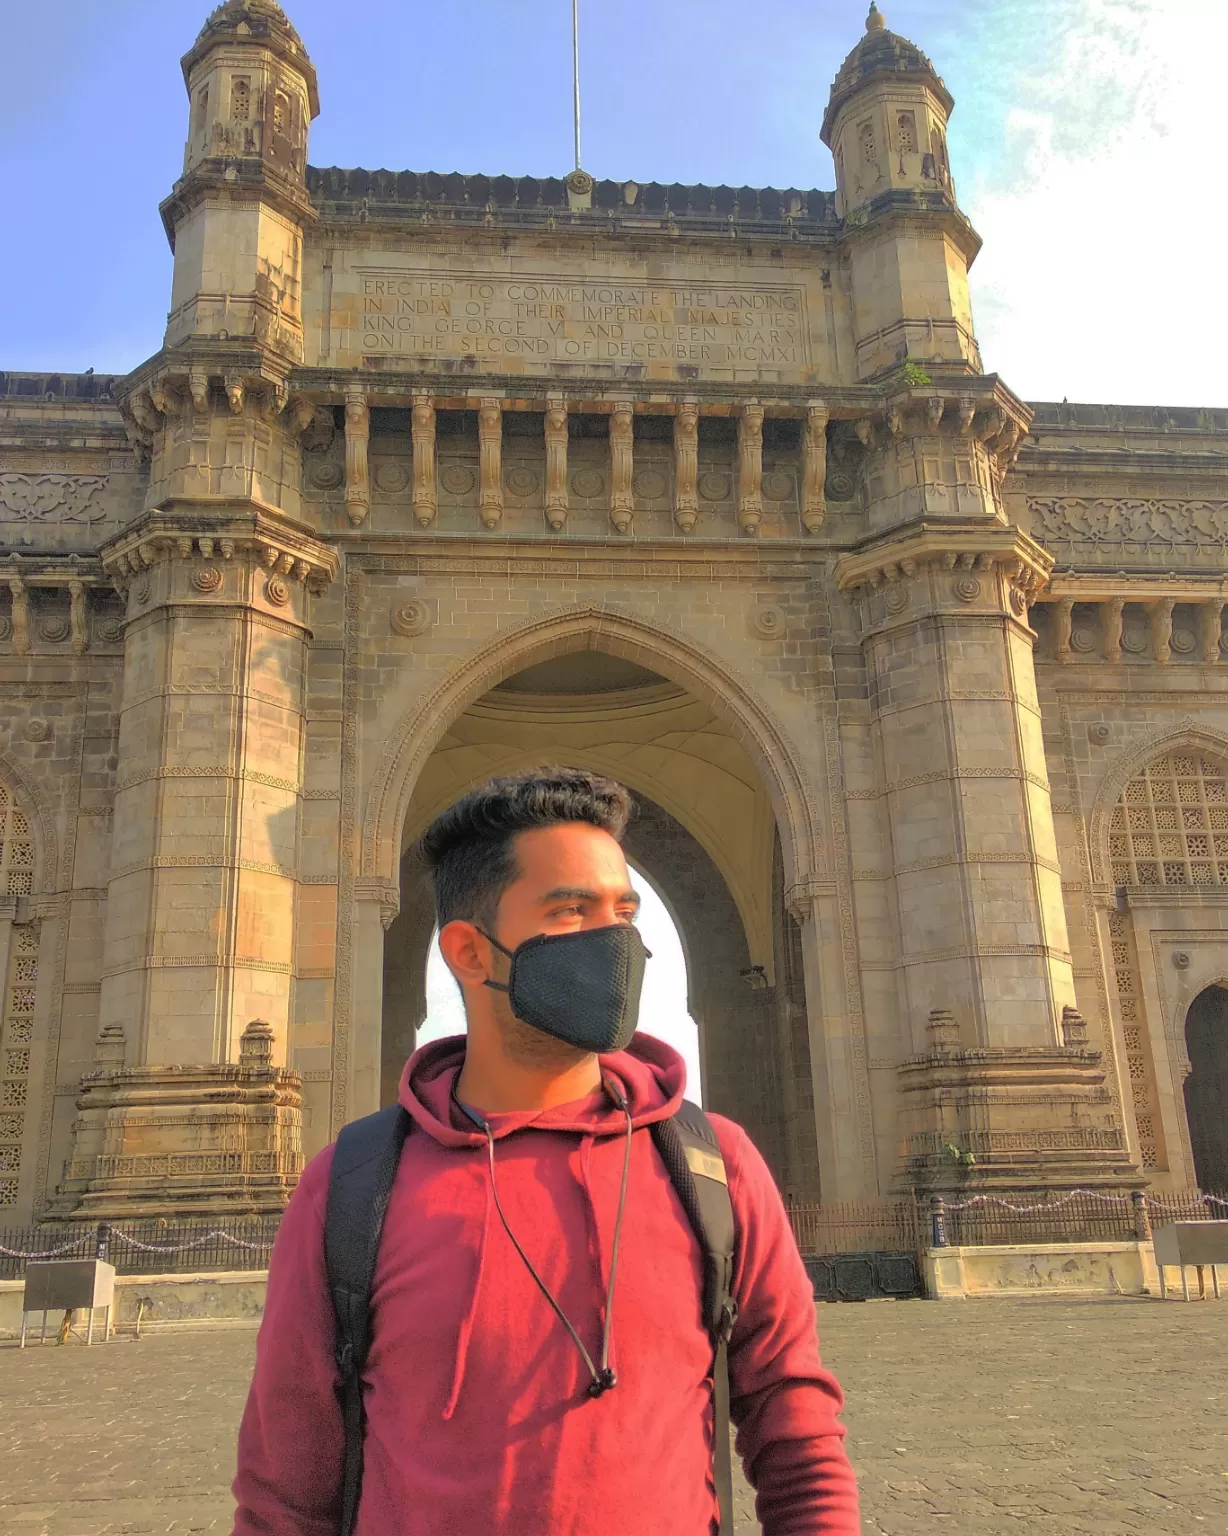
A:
[285,552]
[932,568]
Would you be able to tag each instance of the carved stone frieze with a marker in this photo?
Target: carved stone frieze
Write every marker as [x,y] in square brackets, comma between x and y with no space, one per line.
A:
[51,498]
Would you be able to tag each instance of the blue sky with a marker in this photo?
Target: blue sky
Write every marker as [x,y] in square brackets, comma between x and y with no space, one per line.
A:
[1085,145]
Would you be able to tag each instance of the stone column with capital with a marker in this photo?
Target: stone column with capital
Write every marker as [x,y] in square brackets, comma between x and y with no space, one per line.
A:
[974,861]
[949,656]
[201,897]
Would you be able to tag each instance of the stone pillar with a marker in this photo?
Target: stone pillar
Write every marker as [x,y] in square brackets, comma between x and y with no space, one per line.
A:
[949,658]
[200,904]
[425,495]
[750,467]
[814,468]
[490,462]
[1210,615]
[622,464]
[1160,623]
[357,432]
[1110,615]
[556,463]
[76,609]
[686,465]
[20,616]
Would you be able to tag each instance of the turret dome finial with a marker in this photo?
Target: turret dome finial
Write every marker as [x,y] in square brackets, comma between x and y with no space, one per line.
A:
[874,21]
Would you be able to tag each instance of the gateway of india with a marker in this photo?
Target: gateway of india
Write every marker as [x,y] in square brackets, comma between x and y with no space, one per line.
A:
[922,689]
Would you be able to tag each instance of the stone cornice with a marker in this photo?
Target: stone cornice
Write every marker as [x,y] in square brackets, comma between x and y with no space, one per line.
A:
[188,530]
[902,552]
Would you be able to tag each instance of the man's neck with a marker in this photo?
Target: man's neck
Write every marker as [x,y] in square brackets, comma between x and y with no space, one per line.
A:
[489,1081]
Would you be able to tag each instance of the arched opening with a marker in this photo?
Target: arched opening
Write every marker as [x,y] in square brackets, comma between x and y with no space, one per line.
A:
[705,837]
[1206,1088]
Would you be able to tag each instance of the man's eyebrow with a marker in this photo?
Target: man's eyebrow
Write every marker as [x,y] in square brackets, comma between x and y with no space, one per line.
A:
[579,893]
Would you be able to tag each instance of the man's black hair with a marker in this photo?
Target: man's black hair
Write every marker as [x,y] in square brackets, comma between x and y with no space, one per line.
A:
[469,848]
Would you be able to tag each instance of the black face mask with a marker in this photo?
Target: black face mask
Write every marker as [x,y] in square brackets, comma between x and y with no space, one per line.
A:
[581,987]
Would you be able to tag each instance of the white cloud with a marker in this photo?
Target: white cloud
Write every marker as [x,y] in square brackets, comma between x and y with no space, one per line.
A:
[1101,273]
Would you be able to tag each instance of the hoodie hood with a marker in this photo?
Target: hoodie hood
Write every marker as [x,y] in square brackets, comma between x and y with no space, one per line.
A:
[651,1075]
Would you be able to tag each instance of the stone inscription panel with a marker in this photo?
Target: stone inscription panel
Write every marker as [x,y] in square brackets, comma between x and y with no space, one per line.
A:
[553,320]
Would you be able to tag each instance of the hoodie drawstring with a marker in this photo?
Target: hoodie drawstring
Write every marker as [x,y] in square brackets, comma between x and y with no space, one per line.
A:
[603,1379]
[466,1327]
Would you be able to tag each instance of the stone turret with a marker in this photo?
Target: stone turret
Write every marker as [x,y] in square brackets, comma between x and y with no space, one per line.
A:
[909,246]
[886,119]
[235,218]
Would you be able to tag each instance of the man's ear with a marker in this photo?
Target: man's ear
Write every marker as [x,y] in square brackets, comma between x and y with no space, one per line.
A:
[466,952]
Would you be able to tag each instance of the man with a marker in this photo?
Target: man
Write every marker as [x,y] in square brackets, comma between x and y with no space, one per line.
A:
[539,1363]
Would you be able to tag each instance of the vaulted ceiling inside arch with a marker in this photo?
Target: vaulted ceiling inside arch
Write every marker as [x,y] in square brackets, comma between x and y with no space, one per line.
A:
[601,712]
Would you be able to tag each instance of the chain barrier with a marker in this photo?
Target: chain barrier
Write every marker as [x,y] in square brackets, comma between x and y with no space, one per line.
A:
[1074,1194]
[199,1242]
[47,1253]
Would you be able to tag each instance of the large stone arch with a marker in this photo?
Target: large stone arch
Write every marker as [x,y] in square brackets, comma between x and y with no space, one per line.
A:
[594,627]
[1186,733]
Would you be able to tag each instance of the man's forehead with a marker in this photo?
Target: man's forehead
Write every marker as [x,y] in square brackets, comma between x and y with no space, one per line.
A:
[571,853]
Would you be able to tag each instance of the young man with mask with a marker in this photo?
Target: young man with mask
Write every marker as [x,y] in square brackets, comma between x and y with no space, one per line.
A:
[539,1362]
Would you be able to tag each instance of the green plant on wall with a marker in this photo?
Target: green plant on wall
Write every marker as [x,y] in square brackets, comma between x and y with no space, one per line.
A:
[964,1156]
[913,375]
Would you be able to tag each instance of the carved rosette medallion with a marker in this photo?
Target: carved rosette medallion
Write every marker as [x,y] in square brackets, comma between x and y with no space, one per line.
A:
[110,631]
[714,486]
[457,479]
[392,475]
[896,599]
[778,485]
[768,621]
[54,628]
[588,483]
[37,730]
[522,481]
[411,618]
[276,592]
[967,588]
[1183,641]
[1082,640]
[648,484]
[1134,641]
[6,629]
[207,579]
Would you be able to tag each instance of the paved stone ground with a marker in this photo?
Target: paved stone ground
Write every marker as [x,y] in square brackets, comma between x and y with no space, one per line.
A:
[1033,1418]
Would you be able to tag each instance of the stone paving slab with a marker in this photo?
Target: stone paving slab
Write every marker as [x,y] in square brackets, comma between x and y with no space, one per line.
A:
[1038,1417]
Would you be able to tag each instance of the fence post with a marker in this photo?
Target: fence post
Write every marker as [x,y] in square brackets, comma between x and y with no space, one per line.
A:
[938,1222]
[1142,1217]
[102,1241]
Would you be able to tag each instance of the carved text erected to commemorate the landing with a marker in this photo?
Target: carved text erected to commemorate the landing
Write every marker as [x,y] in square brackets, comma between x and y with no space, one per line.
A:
[564,320]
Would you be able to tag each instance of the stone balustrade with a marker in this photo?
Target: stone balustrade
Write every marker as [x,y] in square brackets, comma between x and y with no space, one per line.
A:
[1082,620]
[30,624]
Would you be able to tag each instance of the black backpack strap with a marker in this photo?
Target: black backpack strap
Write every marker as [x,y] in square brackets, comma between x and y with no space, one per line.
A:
[692,1157]
[360,1182]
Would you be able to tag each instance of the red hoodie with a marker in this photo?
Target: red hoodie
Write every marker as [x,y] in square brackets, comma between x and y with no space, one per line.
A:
[477,1418]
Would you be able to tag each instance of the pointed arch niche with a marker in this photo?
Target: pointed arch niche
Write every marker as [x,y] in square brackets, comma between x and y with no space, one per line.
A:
[706,837]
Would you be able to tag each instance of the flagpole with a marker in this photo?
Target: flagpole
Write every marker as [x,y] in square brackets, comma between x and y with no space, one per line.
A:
[575,72]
